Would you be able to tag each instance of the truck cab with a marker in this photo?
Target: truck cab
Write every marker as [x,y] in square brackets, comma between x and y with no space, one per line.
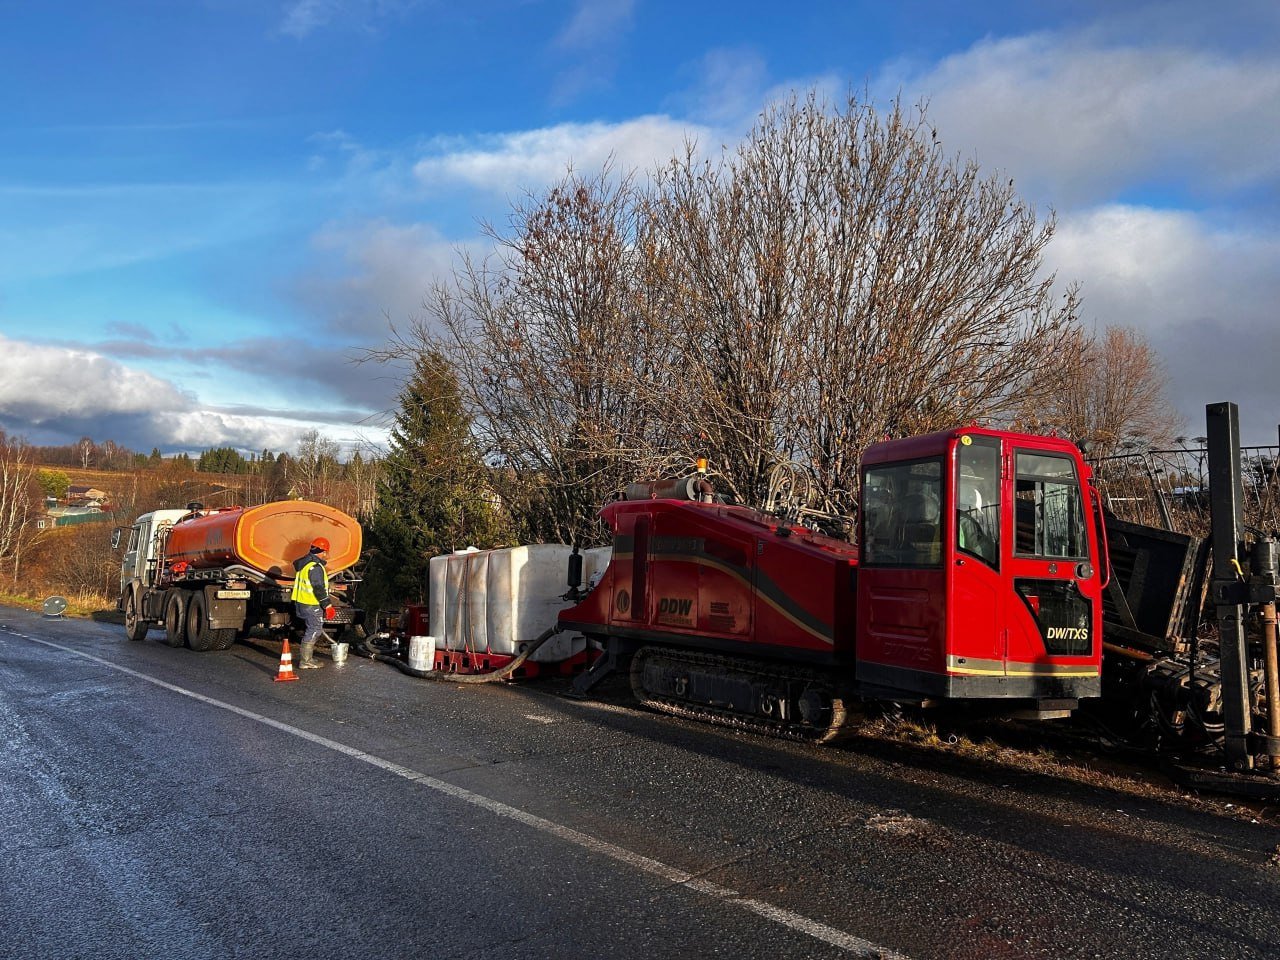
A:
[142,549]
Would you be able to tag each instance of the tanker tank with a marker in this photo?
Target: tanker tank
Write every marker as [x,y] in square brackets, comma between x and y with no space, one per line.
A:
[266,538]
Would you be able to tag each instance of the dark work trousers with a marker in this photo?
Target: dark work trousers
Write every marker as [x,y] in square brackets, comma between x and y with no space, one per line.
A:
[313,617]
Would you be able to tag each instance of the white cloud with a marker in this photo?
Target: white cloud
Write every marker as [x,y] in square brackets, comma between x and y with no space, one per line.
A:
[302,18]
[368,273]
[1204,297]
[527,160]
[1082,119]
[60,394]
[202,429]
[596,22]
[394,264]
[727,89]
[591,46]
[1076,120]
[44,382]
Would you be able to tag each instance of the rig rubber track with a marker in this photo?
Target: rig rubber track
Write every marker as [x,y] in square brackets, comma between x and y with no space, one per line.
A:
[841,723]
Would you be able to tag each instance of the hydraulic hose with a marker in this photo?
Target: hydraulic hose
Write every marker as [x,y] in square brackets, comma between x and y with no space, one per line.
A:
[444,676]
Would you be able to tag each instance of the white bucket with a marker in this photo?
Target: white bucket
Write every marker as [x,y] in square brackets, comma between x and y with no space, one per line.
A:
[422,653]
[339,653]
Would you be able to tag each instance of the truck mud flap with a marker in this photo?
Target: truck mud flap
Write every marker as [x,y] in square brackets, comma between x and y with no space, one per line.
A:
[228,609]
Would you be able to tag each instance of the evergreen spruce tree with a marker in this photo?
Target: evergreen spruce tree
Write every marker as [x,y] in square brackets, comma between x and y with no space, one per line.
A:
[221,460]
[433,494]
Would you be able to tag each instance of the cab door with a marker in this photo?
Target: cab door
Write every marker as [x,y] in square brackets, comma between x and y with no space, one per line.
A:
[1054,603]
[977,637]
[134,557]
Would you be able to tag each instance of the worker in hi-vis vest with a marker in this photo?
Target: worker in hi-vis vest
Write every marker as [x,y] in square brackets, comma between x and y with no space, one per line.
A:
[311,598]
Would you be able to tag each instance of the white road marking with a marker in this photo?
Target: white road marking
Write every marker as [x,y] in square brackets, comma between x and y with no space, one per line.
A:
[848,942]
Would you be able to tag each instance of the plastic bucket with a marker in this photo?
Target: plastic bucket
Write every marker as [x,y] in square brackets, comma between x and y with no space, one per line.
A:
[422,653]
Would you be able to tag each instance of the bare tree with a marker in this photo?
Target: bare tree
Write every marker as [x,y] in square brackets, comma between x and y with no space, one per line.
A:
[87,450]
[363,472]
[840,279]
[559,360]
[1114,396]
[19,494]
[314,473]
[835,279]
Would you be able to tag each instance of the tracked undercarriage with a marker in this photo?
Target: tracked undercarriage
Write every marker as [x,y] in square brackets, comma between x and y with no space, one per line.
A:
[780,700]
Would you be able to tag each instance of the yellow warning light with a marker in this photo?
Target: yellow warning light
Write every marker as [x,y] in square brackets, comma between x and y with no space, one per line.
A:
[966,439]
[702,464]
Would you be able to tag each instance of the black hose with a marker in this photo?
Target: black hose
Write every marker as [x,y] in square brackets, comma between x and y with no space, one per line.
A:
[502,674]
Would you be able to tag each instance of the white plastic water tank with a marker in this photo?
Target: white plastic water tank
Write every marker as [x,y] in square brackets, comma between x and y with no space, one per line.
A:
[499,601]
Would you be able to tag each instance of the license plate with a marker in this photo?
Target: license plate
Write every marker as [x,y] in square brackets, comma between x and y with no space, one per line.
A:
[233,594]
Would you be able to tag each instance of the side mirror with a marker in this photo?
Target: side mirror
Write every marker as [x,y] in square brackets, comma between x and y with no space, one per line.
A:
[116,536]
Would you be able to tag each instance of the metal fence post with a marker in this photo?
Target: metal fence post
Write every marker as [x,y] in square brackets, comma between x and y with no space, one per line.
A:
[1230,592]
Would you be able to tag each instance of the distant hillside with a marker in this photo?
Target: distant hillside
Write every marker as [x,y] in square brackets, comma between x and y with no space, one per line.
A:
[171,486]
[113,481]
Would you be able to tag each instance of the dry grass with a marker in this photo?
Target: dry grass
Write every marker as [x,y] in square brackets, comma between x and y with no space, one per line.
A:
[1137,779]
[82,604]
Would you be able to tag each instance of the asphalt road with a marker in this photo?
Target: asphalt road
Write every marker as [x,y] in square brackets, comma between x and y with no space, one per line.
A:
[163,803]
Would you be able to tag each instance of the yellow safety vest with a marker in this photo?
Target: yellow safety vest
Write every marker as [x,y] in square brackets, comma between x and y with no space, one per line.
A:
[302,592]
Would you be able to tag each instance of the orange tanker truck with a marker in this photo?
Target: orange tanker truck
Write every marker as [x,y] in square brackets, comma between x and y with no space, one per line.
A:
[208,577]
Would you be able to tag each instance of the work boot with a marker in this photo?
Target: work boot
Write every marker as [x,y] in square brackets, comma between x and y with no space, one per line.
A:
[309,661]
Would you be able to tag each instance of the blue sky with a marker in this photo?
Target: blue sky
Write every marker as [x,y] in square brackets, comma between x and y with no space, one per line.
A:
[207,208]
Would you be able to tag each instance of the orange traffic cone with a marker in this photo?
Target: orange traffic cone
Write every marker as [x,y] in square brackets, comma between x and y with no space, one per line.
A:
[286,664]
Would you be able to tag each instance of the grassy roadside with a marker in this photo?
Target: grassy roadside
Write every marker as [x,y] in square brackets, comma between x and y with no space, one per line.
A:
[87,605]
[1024,750]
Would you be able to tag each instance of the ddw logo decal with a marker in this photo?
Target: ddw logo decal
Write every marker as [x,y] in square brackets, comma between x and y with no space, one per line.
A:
[1068,633]
[675,605]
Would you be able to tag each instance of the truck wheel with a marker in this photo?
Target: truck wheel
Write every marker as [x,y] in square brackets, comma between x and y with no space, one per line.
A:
[135,628]
[175,618]
[200,636]
[224,638]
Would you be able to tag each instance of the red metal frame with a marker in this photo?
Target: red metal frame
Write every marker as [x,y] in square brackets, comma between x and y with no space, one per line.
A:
[466,662]
[414,622]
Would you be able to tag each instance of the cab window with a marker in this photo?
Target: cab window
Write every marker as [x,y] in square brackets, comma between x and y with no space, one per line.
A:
[1048,510]
[901,514]
[978,499]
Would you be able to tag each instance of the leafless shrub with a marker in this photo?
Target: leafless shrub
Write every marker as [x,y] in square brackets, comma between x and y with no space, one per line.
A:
[75,560]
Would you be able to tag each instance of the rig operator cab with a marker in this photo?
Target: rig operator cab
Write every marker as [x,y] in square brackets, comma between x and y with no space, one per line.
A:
[979,571]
